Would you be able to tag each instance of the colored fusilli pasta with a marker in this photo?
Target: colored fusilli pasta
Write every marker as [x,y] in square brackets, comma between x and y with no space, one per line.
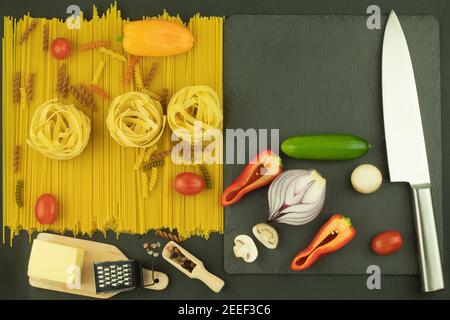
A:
[98,72]
[112,54]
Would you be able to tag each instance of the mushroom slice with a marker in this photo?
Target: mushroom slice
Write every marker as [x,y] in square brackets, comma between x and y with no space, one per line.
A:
[245,248]
[266,234]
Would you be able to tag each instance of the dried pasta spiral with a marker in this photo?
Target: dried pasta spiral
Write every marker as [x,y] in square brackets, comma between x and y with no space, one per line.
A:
[135,120]
[145,182]
[192,104]
[16,88]
[45,37]
[58,131]
[144,185]
[153,178]
[23,98]
[98,72]
[138,78]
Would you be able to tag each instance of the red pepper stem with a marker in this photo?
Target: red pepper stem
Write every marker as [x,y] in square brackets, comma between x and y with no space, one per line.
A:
[251,177]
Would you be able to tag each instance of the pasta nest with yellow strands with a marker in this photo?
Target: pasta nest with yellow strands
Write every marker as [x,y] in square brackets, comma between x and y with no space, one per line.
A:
[135,120]
[58,131]
[191,106]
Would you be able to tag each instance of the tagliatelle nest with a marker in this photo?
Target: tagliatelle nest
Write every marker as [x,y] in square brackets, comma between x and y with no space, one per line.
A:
[58,131]
[135,120]
[190,107]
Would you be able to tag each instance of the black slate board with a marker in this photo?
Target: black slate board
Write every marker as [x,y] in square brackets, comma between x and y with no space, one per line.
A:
[321,74]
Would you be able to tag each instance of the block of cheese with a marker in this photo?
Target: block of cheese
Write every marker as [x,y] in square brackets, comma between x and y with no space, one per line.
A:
[55,262]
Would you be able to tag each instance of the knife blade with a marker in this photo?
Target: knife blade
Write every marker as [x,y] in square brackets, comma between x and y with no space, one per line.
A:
[405,144]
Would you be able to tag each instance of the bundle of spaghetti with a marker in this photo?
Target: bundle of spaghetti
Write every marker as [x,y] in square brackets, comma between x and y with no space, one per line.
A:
[138,78]
[152,95]
[96,187]
[206,176]
[45,37]
[98,72]
[62,83]
[152,164]
[27,31]
[94,45]
[135,120]
[58,131]
[16,88]
[151,74]
[23,98]
[83,95]
[194,108]
[132,62]
[113,54]
[19,193]
[29,87]
[169,235]
[17,154]
[99,91]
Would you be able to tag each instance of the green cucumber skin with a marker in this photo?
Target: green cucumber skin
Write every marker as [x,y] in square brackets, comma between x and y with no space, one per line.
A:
[325,147]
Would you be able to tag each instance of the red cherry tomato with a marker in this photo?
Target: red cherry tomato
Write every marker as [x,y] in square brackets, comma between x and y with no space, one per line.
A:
[188,183]
[60,48]
[387,242]
[46,209]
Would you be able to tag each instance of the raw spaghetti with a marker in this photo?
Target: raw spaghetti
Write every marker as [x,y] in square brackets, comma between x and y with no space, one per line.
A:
[135,120]
[58,131]
[99,190]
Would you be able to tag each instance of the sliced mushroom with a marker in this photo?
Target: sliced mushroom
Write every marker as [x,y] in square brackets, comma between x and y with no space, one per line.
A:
[266,234]
[245,248]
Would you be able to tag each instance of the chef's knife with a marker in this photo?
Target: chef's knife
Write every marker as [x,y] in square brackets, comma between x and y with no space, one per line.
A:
[407,157]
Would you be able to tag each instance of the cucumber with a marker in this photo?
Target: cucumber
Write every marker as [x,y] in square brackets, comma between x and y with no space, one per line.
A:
[325,147]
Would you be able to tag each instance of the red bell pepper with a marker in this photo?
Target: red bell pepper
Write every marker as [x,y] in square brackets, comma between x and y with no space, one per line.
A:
[334,234]
[261,171]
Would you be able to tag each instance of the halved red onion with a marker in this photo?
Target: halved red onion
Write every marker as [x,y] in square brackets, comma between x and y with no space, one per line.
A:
[296,197]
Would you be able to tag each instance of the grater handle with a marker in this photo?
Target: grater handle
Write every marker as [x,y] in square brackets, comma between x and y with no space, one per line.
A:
[162,280]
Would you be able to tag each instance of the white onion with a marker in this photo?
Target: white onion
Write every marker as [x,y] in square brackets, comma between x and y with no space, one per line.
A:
[296,197]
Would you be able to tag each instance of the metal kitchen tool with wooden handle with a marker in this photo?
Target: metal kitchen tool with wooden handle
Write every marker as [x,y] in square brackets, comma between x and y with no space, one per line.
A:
[405,143]
[182,259]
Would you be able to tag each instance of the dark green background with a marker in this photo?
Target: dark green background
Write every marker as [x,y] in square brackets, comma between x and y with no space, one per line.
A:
[13,261]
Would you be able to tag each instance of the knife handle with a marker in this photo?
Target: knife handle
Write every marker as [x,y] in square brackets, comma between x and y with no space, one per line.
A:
[429,256]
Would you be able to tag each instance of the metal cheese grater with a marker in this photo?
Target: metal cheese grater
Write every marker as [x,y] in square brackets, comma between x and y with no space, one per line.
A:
[118,276]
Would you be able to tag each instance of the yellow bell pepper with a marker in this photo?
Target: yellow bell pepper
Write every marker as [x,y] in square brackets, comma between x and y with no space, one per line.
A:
[156,38]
